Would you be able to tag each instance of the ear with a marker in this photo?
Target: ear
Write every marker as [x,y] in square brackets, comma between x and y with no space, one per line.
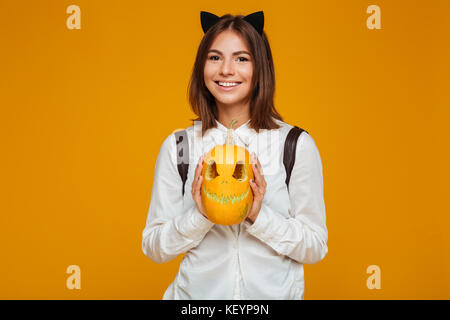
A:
[256,19]
[208,20]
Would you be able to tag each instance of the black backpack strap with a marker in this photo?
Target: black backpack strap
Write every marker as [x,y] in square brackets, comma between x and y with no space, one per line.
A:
[182,155]
[290,145]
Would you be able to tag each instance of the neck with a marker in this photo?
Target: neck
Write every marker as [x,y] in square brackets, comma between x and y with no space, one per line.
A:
[227,113]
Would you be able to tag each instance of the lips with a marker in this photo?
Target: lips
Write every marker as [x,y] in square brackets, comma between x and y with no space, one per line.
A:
[228,81]
[227,88]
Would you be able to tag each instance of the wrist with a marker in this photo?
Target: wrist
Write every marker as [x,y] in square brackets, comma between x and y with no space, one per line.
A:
[250,219]
[203,213]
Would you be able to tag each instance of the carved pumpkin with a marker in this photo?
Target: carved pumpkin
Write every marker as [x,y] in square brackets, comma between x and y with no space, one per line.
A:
[226,192]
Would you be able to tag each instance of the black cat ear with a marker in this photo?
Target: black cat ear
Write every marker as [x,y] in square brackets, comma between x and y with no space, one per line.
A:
[256,19]
[208,20]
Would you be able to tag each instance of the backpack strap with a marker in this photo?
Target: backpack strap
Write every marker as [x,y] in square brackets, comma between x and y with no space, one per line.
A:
[182,155]
[290,146]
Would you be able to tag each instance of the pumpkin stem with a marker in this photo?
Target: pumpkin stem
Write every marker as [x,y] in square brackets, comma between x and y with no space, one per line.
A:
[230,139]
[232,123]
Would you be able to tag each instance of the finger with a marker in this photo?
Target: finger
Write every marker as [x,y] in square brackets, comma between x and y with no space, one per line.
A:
[256,191]
[261,173]
[198,168]
[253,186]
[199,184]
[257,170]
[255,163]
[253,158]
[259,167]
[196,186]
[256,174]
[197,173]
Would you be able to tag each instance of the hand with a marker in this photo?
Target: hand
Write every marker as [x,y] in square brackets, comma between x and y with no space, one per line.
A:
[259,189]
[196,187]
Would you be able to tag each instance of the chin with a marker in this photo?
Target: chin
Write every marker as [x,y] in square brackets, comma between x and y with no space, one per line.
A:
[229,102]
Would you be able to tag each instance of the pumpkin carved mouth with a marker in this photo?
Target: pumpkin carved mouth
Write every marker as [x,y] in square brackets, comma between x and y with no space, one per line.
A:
[225,199]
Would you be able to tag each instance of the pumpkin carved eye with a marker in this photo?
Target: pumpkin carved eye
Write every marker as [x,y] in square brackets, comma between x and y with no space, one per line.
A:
[211,170]
[240,172]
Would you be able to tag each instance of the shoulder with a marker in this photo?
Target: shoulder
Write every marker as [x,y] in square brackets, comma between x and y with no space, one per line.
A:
[176,149]
[171,140]
[306,149]
[304,138]
[191,131]
[284,127]
[167,152]
[175,142]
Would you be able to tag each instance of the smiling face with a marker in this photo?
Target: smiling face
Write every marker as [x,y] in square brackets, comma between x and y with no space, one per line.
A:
[229,69]
[226,192]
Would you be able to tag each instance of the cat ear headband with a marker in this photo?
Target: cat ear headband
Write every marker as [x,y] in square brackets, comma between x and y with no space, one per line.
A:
[256,19]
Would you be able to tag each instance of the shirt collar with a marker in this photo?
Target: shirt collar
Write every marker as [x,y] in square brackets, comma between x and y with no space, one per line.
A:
[242,127]
[242,135]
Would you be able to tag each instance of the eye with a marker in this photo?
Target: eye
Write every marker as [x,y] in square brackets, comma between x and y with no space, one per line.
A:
[214,58]
[211,170]
[245,59]
[240,172]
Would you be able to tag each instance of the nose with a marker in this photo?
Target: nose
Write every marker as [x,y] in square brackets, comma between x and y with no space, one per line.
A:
[227,67]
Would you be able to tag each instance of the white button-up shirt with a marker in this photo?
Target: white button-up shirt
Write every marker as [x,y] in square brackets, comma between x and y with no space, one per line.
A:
[263,260]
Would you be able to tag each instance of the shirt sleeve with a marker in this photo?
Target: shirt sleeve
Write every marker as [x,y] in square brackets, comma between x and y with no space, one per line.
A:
[302,236]
[170,229]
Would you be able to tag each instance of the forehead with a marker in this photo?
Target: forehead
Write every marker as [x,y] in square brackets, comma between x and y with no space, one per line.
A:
[229,41]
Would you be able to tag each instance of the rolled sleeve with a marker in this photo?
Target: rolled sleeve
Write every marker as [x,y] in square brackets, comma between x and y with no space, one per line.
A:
[261,226]
[193,224]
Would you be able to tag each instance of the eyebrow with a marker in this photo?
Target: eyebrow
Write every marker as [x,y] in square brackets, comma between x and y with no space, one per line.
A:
[234,53]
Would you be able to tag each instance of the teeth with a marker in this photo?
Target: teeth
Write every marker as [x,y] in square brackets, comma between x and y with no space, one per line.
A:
[224,200]
[228,84]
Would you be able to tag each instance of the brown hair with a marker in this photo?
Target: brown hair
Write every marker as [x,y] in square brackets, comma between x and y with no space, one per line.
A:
[262,109]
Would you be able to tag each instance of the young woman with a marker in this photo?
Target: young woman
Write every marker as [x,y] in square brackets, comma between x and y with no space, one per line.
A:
[263,257]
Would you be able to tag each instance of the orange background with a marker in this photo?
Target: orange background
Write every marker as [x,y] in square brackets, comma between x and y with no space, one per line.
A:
[84,113]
